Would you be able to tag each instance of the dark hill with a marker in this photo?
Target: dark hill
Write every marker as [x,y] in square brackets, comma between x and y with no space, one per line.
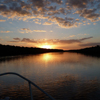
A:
[92,51]
[8,50]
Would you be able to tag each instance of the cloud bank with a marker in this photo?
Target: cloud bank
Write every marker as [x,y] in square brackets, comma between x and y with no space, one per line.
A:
[50,41]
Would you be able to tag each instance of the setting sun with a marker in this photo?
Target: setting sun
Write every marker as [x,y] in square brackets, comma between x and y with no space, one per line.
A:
[46,46]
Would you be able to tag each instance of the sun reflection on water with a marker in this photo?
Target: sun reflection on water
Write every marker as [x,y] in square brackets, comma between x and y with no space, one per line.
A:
[47,57]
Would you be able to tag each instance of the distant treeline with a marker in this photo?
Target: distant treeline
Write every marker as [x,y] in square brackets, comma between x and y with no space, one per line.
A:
[8,50]
[92,51]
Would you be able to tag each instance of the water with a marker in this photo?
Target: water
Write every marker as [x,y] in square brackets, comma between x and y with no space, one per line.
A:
[65,76]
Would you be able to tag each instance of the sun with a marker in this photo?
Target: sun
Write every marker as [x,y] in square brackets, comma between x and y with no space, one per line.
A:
[46,46]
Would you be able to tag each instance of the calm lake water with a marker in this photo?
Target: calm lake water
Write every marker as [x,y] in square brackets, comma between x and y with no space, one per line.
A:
[65,76]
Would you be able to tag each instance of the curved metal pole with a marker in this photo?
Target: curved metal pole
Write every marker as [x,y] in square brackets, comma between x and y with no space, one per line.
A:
[29,82]
[30,90]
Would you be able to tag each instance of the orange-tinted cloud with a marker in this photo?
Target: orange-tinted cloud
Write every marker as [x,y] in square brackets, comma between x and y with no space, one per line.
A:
[47,23]
[25,30]
[5,31]
[1,20]
[39,31]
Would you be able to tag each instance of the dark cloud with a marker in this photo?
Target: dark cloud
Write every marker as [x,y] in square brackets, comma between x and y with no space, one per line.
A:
[25,6]
[90,44]
[63,22]
[28,40]
[3,7]
[51,8]
[98,6]
[14,11]
[27,29]
[53,12]
[73,40]
[62,11]
[80,4]
[24,40]
[38,3]
[89,14]
[85,8]
[77,3]
[17,39]
[86,38]
[57,1]
[51,41]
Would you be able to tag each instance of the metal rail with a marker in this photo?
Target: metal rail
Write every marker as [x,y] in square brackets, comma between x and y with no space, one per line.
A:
[30,82]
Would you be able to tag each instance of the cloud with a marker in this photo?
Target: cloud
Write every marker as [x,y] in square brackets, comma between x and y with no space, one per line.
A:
[39,31]
[12,10]
[64,22]
[77,3]
[17,39]
[86,38]
[25,30]
[3,7]
[55,12]
[90,44]
[28,40]
[38,23]
[77,19]
[57,1]
[38,3]
[89,14]
[72,36]
[36,20]
[62,11]
[2,20]
[51,8]
[94,23]
[5,31]
[22,32]
[1,39]
[73,40]
[51,31]
[47,23]
[88,23]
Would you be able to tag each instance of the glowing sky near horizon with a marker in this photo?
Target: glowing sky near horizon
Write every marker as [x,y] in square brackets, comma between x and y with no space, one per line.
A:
[60,24]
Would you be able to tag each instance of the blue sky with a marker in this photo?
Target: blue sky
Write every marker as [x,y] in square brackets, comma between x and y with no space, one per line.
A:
[62,24]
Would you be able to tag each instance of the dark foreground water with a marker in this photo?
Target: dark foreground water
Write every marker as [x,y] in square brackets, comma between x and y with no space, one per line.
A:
[65,76]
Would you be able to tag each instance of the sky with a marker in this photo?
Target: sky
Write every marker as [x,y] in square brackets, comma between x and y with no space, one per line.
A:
[56,24]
